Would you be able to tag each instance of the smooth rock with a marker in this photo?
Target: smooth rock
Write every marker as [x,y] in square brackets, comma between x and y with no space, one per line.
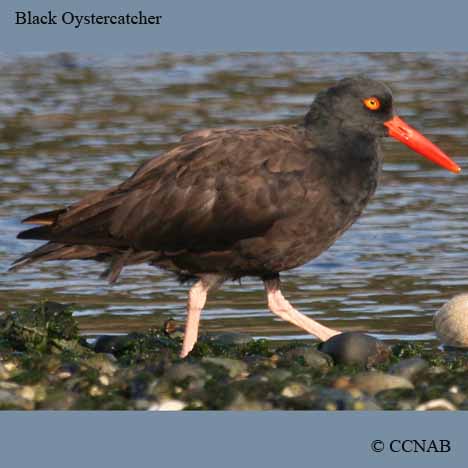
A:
[355,348]
[375,382]
[235,367]
[229,338]
[277,375]
[451,322]
[184,370]
[311,357]
[241,403]
[409,368]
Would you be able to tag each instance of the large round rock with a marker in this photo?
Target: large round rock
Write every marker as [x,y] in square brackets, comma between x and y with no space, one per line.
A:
[356,348]
[451,322]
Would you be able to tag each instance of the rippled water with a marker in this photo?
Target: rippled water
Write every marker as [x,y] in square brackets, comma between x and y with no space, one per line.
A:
[71,124]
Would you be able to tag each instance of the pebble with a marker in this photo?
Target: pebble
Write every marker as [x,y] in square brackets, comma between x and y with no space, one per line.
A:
[104,380]
[142,404]
[455,395]
[375,382]
[440,404]
[102,363]
[63,375]
[451,322]
[11,397]
[59,400]
[4,374]
[356,348]
[10,366]
[294,390]
[241,403]
[27,392]
[168,405]
[96,391]
[409,368]
[336,399]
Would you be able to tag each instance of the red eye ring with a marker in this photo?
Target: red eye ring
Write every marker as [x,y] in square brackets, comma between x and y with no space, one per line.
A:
[372,103]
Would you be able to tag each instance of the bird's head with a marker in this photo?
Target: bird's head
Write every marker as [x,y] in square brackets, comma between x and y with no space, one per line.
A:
[365,107]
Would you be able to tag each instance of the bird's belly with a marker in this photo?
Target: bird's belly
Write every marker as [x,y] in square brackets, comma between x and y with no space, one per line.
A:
[289,243]
[296,240]
[293,243]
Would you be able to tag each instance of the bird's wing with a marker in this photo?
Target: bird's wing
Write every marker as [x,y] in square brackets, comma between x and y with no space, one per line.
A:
[206,193]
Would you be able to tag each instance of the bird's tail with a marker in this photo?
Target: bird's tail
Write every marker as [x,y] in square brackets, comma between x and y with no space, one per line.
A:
[55,251]
[117,259]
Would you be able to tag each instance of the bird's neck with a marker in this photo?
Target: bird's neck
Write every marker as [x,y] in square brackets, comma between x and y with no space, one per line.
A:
[342,142]
[352,159]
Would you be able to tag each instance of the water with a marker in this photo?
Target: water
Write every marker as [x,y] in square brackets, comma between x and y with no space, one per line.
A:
[72,124]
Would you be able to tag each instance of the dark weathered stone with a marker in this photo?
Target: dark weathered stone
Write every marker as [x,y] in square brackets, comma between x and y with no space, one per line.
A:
[107,343]
[356,348]
[231,338]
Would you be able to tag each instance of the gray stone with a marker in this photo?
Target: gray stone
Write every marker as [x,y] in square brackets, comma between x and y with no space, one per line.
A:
[375,382]
[12,397]
[451,322]
[330,399]
[277,375]
[356,348]
[409,368]
[234,367]
[229,338]
[109,343]
[241,403]
[311,357]
[184,370]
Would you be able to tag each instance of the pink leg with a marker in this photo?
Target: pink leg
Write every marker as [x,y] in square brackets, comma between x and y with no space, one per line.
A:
[281,307]
[196,301]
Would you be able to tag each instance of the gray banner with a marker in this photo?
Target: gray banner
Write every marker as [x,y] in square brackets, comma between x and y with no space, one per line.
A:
[214,25]
[272,439]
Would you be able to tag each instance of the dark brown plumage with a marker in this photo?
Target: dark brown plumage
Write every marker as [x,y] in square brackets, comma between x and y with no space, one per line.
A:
[233,202]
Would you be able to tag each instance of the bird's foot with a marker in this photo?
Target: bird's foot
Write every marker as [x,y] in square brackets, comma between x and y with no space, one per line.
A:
[281,307]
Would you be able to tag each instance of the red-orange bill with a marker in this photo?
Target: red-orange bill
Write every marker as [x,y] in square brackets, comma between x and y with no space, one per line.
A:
[401,131]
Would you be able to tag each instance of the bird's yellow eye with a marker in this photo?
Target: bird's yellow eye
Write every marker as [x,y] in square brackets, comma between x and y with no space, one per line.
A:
[372,103]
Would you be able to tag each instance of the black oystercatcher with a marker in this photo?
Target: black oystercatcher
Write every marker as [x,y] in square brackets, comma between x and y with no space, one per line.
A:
[228,203]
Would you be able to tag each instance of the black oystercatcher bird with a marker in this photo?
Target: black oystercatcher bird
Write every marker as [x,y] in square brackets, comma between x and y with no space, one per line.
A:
[228,203]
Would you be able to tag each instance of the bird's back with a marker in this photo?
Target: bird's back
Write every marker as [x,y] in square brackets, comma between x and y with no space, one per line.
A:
[232,201]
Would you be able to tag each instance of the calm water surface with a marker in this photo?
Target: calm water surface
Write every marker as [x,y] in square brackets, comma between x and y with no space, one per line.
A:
[72,124]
